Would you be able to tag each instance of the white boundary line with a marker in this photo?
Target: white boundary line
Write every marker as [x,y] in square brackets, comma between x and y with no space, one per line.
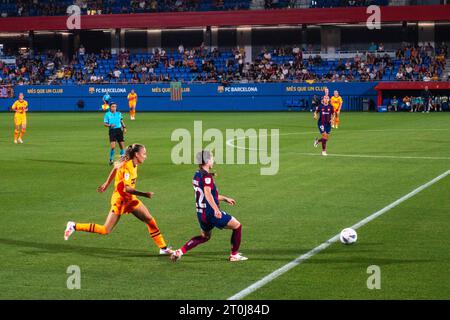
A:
[275,274]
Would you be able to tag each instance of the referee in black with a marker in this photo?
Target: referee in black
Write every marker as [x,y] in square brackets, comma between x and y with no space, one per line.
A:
[114,121]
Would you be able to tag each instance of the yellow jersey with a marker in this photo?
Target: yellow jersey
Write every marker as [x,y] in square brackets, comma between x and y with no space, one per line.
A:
[20,107]
[336,102]
[132,97]
[126,175]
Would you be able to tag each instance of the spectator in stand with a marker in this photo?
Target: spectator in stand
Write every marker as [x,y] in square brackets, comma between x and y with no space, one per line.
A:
[409,73]
[400,76]
[373,47]
[427,77]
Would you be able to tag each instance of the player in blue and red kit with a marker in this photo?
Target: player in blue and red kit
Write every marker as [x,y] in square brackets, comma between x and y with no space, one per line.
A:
[209,215]
[324,114]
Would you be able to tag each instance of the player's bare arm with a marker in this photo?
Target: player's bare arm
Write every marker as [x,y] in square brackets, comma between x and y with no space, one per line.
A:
[110,178]
[130,190]
[228,200]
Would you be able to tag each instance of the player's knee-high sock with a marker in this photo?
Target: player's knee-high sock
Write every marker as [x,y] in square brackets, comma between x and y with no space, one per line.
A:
[122,152]
[324,144]
[111,154]
[156,234]
[16,134]
[22,132]
[91,227]
[236,240]
[191,244]
[336,121]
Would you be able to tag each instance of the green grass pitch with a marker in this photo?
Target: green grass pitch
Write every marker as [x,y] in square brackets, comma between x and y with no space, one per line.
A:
[374,160]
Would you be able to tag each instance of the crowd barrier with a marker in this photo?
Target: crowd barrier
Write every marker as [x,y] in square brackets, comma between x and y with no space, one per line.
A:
[194,97]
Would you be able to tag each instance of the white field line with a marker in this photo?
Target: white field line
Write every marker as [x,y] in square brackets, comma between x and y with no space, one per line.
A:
[275,274]
[231,144]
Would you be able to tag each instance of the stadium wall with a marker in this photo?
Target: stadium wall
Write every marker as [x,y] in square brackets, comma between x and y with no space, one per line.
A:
[195,97]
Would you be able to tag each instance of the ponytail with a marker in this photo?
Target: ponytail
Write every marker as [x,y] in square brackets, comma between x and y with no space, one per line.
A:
[130,152]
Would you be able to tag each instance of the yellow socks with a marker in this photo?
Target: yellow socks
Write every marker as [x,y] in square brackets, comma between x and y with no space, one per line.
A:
[91,227]
[156,234]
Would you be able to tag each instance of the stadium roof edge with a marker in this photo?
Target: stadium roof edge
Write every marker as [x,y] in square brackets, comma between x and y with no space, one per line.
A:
[229,18]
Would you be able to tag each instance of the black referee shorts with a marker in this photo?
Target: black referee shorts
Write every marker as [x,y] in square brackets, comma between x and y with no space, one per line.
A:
[116,135]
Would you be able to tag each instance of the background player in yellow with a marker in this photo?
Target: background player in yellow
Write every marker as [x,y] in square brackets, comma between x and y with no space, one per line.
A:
[20,107]
[132,100]
[336,102]
[124,200]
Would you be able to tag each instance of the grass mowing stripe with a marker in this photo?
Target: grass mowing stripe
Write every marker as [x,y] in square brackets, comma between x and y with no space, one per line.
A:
[292,264]
[372,156]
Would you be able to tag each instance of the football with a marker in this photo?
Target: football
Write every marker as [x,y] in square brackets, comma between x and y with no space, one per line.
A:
[348,236]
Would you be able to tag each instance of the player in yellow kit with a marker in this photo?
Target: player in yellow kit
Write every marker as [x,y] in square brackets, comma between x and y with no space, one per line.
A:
[132,100]
[336,102]
[20,107]
[124,200]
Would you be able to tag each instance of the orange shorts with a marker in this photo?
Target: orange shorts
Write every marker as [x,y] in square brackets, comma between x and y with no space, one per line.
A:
[20,120]
[337,110]
[132,105]
[121,206]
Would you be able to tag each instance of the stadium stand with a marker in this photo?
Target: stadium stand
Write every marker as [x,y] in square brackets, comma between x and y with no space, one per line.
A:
[408,63]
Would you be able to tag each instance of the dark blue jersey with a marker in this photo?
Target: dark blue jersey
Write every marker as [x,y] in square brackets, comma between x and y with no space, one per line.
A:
[201,180]
[325,113]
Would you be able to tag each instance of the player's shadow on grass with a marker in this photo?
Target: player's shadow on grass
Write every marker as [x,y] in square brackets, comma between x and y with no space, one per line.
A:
[267,254]
[59,161]
[52,248]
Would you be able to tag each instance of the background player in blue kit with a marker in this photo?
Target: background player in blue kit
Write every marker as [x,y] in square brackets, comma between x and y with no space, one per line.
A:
[209,215]
[324,114]
[114,121]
